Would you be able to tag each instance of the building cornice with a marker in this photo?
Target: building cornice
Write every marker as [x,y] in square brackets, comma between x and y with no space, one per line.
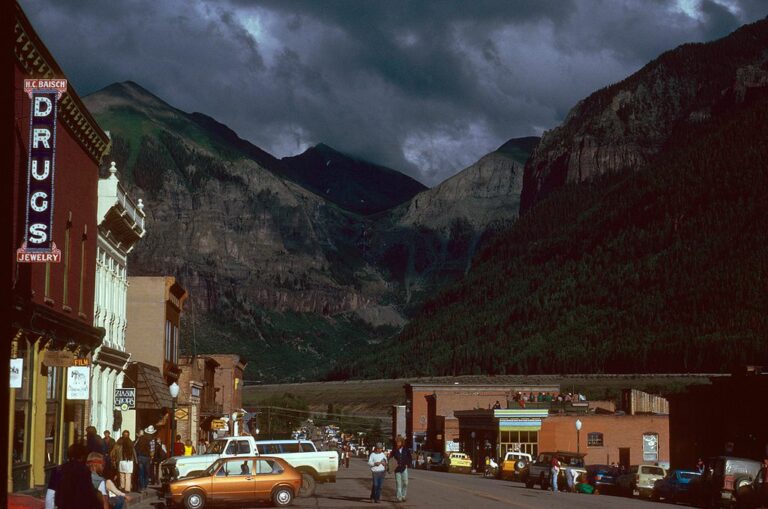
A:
[111,358]
[36,61]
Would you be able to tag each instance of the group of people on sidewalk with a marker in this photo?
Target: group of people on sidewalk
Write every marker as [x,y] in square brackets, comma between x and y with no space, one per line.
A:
[109,466]
[379,462]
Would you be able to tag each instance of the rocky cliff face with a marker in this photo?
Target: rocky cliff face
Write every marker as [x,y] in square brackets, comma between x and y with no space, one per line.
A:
[626,124]
[292,279]
[481,194]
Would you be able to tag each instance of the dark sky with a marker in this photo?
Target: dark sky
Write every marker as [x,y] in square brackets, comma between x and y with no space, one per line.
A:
[426,87]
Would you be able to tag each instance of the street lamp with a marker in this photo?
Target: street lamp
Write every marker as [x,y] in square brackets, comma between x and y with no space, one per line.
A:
[473,435]
[578,429]
[174,390]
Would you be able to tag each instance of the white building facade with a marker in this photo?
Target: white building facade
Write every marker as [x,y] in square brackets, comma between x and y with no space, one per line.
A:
[121,225]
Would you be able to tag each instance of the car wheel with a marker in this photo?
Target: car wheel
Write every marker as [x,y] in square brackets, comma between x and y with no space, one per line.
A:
[307,485]
[194,499]
[526,479]
[519,465]
[543,482]
[282,497]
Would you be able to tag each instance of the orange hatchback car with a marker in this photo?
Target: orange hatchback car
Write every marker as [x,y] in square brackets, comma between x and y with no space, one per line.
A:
[239,481]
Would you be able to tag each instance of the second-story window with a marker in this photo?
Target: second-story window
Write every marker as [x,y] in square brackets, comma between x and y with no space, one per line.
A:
[594,440]
[168,342]
[175,344]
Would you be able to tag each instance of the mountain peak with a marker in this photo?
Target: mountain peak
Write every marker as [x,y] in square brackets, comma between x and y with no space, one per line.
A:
[130,92]
[352,183]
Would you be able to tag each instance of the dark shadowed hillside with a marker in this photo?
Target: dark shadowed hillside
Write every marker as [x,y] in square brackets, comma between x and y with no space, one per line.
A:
[352,184]
[658,269]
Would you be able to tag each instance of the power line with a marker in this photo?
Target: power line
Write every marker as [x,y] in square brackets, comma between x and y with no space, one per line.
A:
[321,413]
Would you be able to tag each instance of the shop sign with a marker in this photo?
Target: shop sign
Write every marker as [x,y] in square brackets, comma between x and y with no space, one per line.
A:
[58,358]
[78,382]
[38,245]
[181,414]
[17,368]
[218,424]
[452,446]
[125,398]
[650,447]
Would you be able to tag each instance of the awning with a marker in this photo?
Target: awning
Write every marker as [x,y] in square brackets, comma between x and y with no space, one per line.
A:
[519,424]
[151,390]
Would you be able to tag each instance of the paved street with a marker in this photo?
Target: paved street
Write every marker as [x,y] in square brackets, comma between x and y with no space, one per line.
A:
[444,490]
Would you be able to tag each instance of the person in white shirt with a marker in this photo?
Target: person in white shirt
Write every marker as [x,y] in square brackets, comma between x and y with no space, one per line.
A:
[378,463]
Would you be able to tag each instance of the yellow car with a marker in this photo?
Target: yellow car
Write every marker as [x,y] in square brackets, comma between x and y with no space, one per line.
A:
[513,465]
[459,462]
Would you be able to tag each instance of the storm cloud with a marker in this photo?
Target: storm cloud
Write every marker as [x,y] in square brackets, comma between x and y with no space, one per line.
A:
[426,87]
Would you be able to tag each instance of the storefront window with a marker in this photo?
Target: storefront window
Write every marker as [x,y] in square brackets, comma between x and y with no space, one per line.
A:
[22,410]
[519,441]
[53,390]
[21,424]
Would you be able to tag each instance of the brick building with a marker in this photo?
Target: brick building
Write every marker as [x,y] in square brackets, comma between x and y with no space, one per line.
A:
[54,269]
[197,396]
[425,402]
[621,438]
[229,382]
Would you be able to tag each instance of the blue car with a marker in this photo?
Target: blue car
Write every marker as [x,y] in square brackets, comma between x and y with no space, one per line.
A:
[675,486]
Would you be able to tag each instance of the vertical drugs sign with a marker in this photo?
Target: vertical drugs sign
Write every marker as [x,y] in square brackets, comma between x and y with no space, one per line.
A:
[38,246]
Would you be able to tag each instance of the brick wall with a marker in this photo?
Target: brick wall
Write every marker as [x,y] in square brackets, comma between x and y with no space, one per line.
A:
[619,431]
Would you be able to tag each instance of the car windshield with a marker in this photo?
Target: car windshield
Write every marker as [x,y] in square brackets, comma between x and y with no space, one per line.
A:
[653,470]
[213,468]
[688,475]
[217,447]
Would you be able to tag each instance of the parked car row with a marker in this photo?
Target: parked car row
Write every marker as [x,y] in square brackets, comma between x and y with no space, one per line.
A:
[726,481]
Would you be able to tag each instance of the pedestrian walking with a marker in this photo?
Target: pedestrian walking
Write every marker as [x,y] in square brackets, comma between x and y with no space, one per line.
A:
[189,449]
[144,456]
[109,442]
[402,455]
[378,463]
[202,446]
[555,471]
[124,457]
[178,446]
[159,454]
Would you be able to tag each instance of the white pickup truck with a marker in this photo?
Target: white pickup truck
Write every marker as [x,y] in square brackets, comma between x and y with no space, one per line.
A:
[315,466]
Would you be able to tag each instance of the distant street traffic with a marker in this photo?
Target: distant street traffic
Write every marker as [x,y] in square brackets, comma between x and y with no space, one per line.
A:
[429,489]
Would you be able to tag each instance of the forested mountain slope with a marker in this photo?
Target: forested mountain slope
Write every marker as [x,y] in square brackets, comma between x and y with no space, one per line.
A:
[661,268]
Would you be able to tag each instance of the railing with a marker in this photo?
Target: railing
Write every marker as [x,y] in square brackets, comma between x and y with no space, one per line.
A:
[212,408]
[555,407]
[134,212]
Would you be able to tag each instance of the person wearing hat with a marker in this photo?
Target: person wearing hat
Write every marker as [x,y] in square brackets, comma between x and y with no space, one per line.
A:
[144,455]
[378,463]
